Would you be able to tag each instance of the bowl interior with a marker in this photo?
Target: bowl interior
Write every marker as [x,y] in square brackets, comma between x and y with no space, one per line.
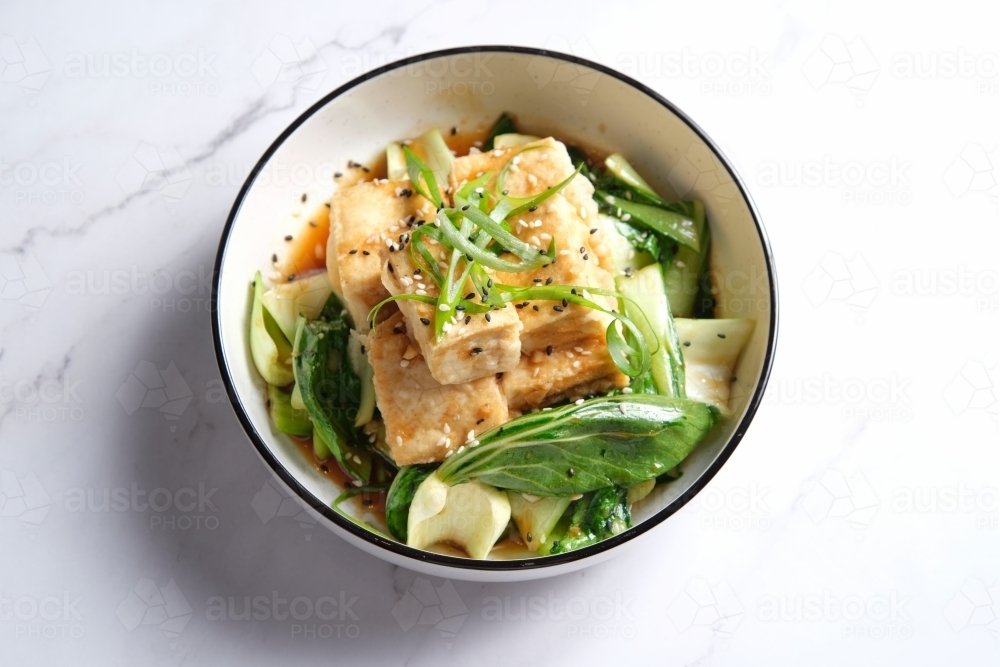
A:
[549,95]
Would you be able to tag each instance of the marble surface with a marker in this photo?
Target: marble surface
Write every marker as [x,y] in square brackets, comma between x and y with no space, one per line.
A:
[857,523]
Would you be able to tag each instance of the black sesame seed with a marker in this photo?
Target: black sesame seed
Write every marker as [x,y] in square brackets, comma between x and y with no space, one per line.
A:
[582,250]
[481,420]
[459,307]
[363,350]
[470,295]
[558,309]
[476,350]
[586,257]
[594,230]
[425,321]
[565,303]
[732,379]
[529,537]
[488,318]
[353,252]
[687,343]
[533,208]
[468,257]
[324,468]
[468,318]
[416,272]
[365,169]
[536,308]
[506,191]
[288,238]
[454,131]
[570,472]
[365,252]
[274,259]
[537,280]
[573,291]
[291,277]
[466,207]
[548,350]
[721,335]
[327,204]
[489,282]
[391,270]
[548,281]
[337,174]
[303,197]
[519,306]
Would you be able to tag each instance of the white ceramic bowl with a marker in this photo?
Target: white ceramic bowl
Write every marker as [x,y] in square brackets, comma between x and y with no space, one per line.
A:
[548,93]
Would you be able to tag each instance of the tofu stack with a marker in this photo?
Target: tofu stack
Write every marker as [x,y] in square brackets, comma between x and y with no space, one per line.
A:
[437,396]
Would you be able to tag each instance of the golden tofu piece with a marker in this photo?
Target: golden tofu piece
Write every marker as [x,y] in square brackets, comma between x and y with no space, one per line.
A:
[568,217]
[536,167]
[472,346]
[571,371]
[362,218]
[424,419]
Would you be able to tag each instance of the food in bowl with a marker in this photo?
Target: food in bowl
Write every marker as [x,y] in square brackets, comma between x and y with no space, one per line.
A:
[501,344]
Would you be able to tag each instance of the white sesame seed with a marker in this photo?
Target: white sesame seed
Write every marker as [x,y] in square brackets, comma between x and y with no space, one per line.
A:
[626,217]
[578,349]
[583,212]
[516,160]
[404,363]
[576,364]
[609,199]
[399,440]
[444,307]
[545,236]
[627,390]
[534,239]
[621,408]
[657,465]
[479,191]
[532,179]
[578,401]
[447,428]
[388,243]
[448,454]
[421,292]
[498,152]
[680,264]
[441,441]
[472,435]
[447,442]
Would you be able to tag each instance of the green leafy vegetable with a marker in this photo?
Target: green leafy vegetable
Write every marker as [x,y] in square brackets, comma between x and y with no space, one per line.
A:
[269,348]
[684,274]
[331,391]
[596,516]
[619,167]
[677,225]
[648,298]
[504,125]
[397,503]
[623,440]
[286,418]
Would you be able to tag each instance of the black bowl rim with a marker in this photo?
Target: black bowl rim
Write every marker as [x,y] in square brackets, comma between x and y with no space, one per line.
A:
[466,563]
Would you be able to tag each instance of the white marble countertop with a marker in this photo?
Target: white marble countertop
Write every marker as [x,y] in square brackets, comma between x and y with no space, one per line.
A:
[857,523]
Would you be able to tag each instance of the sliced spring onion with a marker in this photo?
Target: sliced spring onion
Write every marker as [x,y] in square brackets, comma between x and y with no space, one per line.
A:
[422,177]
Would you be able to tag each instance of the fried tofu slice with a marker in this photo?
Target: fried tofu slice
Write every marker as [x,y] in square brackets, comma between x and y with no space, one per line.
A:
[570,372]
[472,347]
[536,167]
[424,419]
[362,218]
[568,217]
